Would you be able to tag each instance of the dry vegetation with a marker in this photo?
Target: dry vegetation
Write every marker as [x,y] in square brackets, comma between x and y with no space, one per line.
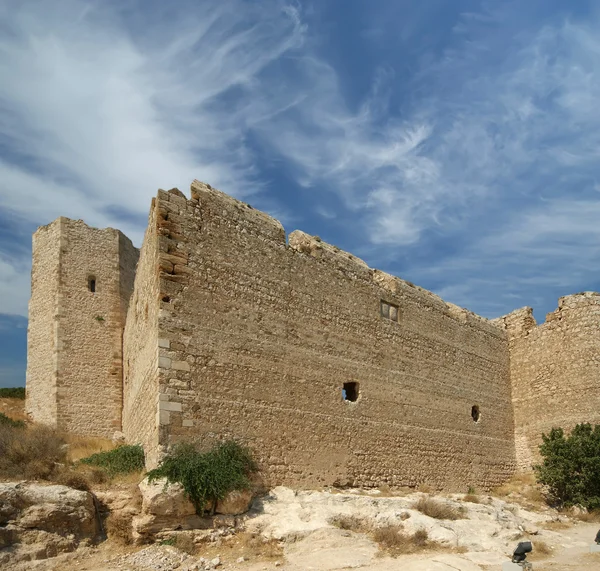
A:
[557,524]
[393,540]
[253,545]
[118,528]
[588,517]
[84,446]
[34,453]
[472,498]
[437,509]
[351,523]
[13,408]
[541,550]
[522,489]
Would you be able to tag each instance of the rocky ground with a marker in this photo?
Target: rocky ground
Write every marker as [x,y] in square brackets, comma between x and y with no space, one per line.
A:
[296,531]
[286,530]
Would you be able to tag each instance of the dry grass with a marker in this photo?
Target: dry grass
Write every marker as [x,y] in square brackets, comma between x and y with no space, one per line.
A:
[541,550]
[556,524]
[118,528]
[394,541]
[13,408]
[350,523]
[72,479]
[425,488]
[515,485]
[472,498]
[588,517]
[33,453]
[253,545]
[84,446]
[437,509]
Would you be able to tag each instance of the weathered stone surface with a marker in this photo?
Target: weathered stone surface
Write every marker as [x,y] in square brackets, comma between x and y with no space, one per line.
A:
[167,508]
[42,521]
[554,369]
[79,388]
[233,332]
[265,334]
[164,508]
[235,503]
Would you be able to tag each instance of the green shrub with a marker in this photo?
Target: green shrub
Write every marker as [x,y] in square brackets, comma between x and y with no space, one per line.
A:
[207,476]
[13,393]
[571,466]
[7,421]
[122,460]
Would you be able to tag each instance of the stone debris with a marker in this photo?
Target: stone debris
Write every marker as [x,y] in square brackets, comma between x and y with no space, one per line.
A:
[164,558]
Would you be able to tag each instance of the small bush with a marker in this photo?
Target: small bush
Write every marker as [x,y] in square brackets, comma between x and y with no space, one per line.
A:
[472,498]
[7,421]
[73,480]
[207,476]
[12,393]
[395,541]
[436,509]
[122,460]
[571,466]
[34,453]
[350,523]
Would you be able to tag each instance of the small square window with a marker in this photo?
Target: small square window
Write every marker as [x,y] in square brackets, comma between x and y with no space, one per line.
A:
[350,392]
[389,311]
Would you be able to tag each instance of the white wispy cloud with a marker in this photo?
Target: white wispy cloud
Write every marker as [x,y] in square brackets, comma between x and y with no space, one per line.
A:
[99,107]
[487,164]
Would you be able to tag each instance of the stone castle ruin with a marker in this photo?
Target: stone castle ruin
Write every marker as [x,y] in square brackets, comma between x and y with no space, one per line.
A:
[332,372]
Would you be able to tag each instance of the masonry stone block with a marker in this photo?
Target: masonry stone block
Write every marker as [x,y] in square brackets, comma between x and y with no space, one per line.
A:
[170,406]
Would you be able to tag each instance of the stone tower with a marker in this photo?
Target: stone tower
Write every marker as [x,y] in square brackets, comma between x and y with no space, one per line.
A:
[81,281]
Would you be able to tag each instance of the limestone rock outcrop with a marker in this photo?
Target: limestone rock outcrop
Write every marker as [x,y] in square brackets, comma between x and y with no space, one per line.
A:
[167,508]
[38,521]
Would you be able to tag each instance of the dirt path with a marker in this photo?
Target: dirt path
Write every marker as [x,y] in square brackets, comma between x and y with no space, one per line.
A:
[573,552]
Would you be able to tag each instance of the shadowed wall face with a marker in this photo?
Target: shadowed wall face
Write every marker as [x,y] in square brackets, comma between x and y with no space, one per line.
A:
[140,350]
[265,341]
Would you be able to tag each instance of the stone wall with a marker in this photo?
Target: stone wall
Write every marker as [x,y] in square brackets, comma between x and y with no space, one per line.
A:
[554,370]
[94,281]
[257,339]
[41,332]
[140,349]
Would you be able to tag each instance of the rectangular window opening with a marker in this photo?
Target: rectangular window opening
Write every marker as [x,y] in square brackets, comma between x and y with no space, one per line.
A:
[350,392]
[389,311]
[92,284]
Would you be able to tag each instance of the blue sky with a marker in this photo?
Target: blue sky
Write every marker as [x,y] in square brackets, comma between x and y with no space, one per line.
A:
[453,143]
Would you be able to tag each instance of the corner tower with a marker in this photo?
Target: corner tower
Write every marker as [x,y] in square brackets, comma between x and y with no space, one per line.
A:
[81,281]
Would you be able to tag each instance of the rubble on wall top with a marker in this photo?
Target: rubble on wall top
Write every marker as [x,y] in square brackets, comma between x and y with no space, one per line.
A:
[315,247]
[270,226]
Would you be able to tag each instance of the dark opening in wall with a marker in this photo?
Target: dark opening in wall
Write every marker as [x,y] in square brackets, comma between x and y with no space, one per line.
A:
[92,284]
[389,311]
[166,299]
[475,413]
[350,392]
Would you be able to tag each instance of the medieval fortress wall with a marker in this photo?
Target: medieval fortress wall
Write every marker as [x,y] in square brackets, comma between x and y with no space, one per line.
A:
[555,370]
[330,371]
